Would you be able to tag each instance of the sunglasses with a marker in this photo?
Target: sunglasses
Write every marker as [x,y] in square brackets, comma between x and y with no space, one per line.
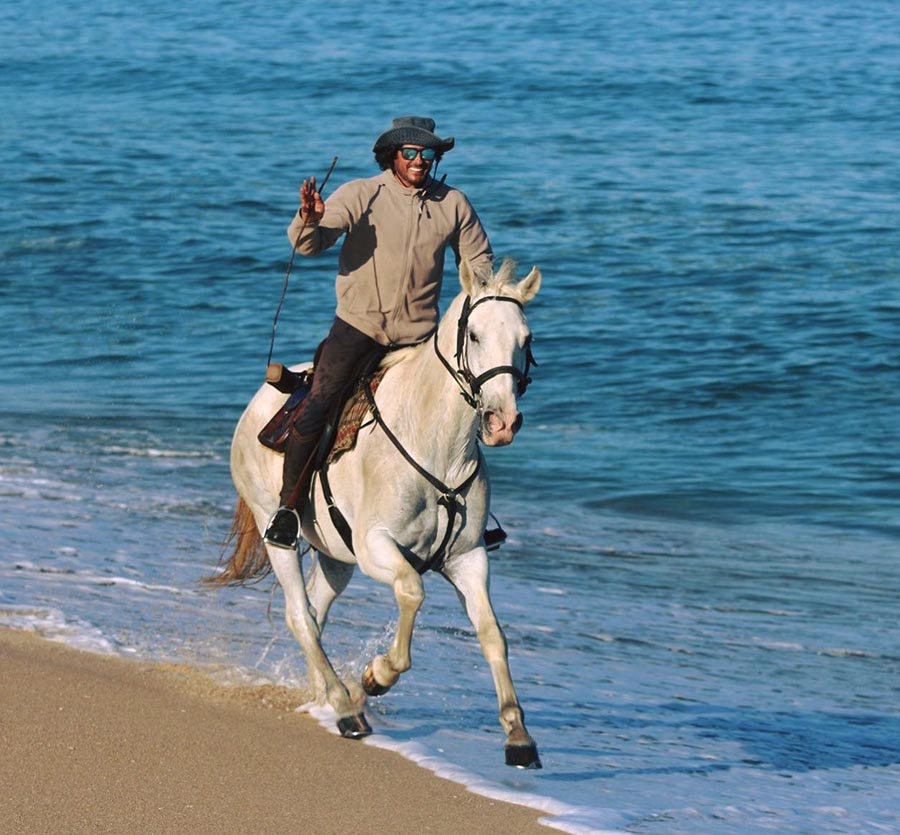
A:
[428,154]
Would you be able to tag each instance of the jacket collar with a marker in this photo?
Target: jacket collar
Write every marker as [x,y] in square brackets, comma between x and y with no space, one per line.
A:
[388,178]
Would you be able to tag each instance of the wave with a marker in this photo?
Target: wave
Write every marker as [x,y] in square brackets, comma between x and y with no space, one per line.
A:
[53,625]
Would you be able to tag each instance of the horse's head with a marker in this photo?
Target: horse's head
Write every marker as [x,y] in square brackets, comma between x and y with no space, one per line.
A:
[494,346]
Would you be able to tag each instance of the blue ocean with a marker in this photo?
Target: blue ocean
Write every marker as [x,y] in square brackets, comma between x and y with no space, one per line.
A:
[701,582]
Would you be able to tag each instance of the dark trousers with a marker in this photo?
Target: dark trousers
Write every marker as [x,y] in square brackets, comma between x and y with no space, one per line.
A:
[343,357]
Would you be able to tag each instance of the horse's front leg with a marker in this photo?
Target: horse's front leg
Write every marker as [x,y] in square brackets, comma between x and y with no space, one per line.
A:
[469,573]
[301,620]
[382,560]
[325,580]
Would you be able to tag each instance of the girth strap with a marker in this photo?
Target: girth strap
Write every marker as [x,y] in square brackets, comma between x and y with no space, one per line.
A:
[337,518]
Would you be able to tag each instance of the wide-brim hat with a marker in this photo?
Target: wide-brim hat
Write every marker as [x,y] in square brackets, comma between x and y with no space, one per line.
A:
[412,130]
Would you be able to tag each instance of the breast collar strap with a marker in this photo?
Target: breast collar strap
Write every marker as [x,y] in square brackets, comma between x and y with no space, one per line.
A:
[449,496]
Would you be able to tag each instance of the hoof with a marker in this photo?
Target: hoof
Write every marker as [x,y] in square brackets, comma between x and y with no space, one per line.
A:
[354,727]
[370,685]
[523,756]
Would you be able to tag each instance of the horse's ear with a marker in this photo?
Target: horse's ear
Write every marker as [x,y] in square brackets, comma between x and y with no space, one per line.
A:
[529,286]
[472,282]
[466,276]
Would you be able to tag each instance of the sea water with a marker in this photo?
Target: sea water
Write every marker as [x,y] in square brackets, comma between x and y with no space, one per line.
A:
[701,581]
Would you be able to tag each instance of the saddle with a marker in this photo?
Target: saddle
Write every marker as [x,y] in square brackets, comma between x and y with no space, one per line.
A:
[339,435]
[296,385]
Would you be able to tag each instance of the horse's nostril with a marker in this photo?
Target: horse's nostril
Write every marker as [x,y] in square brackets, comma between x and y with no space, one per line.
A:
[517,423]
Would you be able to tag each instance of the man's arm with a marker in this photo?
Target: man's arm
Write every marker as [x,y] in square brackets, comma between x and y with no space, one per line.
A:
[471,240]
[314,228]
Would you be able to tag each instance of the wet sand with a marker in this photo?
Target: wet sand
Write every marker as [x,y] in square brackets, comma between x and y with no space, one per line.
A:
[94,744]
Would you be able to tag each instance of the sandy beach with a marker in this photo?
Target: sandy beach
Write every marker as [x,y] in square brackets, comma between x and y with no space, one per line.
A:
[92,743]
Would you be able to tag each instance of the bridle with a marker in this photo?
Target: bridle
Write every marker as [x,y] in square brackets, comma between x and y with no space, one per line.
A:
[463,374]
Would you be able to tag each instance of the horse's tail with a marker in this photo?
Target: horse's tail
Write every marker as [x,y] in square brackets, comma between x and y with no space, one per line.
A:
[249,560]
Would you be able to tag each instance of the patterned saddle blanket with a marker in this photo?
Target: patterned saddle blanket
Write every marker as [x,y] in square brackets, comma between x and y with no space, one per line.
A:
[352,416]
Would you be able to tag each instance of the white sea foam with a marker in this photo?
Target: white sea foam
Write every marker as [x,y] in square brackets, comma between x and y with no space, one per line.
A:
[137,585]
[54,626]
[153,452]
[562,816]
[848,652]
[90,578]
[781,646]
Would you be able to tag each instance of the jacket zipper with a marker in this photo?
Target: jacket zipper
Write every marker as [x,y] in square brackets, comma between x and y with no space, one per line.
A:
[413,217]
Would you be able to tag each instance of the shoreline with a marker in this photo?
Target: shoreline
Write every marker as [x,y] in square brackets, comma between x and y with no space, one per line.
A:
[107,744]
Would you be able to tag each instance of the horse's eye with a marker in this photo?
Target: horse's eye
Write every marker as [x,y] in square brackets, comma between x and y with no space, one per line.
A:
[473,337]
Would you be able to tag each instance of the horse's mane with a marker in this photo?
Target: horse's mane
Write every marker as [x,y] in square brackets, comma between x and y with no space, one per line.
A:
[502,282]
[392,358]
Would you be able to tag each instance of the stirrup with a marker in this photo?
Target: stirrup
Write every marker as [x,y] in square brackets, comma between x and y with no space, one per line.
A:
[494,538]
[283,529]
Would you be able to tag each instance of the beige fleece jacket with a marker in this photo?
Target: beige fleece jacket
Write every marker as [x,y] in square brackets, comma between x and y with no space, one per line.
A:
[392,260]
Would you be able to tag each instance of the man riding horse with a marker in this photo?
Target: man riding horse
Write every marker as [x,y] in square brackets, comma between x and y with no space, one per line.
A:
[397,226]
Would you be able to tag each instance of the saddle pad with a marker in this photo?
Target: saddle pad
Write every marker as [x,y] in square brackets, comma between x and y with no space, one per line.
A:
[352,417]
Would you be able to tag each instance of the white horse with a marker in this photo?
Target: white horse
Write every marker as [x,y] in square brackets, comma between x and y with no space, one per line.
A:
[413,494]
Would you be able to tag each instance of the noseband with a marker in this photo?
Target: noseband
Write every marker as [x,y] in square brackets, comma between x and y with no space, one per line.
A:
[462,372]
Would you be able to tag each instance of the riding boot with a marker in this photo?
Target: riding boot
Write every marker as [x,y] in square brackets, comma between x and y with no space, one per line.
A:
[283,529]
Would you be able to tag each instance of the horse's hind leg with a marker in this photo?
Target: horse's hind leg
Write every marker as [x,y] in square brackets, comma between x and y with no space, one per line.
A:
[382,560]
[303,623]
[469,574]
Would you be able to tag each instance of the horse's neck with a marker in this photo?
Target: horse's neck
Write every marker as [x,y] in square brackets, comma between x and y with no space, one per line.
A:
[432,416]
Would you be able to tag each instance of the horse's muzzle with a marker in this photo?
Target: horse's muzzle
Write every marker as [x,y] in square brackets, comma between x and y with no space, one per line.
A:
[498,430]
